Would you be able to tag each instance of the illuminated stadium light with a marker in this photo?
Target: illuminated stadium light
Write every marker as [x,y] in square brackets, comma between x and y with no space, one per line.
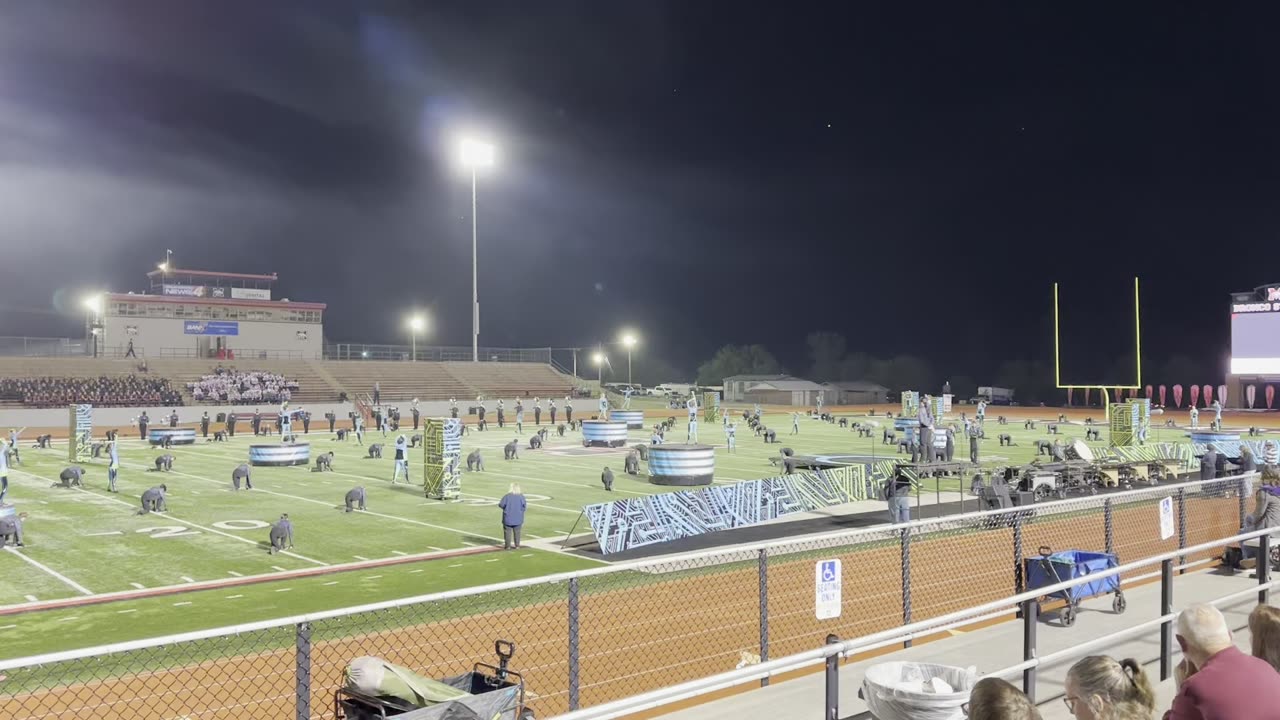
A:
[416,325]
[93,304]
[475,154]
[629,341]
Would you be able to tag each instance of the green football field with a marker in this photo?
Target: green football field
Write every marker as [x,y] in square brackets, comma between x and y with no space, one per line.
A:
[91,542]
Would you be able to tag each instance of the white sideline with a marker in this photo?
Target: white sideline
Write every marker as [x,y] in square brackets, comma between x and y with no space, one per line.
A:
[751,673]
[78,587]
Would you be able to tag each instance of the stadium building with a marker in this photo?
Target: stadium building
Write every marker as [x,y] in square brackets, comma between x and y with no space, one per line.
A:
[201,314]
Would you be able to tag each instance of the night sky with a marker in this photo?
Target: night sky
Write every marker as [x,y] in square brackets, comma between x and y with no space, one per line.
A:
[914,176]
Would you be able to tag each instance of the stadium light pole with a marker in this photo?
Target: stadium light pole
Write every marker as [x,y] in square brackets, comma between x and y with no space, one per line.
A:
[629,340]
[598,358]
[93,304]
[475,154]
[416,323]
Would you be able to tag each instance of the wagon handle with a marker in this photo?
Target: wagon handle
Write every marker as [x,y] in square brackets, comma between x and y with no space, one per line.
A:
[1044,550]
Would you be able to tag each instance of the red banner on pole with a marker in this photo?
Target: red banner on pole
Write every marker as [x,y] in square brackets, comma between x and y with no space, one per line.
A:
[1162,393]
[1250,394]
[1208,395]
[1068,397]
[1271,395]
[1195,395]
[1177,396]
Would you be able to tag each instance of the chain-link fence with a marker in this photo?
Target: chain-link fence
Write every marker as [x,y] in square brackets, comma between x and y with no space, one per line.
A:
[586,638]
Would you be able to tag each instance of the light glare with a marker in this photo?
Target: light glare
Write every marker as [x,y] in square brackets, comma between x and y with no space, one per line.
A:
[476,153]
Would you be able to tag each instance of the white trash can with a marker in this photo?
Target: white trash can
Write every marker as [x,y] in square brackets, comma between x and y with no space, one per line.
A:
[908,691]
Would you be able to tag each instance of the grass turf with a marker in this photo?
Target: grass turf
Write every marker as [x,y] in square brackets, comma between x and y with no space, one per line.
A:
[95,540]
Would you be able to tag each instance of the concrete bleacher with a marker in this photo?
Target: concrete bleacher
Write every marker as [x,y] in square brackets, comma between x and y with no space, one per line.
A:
[313,385]
[404,381]
[324,382]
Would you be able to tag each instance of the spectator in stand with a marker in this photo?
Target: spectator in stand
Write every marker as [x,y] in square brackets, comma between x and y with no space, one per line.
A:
[1103,688]
[232,386]
[1264,628]
[995,699]
[104,391]
[1215,679]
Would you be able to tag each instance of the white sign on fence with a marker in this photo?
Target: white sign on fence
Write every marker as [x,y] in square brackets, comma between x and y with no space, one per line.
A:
[1166,518]
[826,589]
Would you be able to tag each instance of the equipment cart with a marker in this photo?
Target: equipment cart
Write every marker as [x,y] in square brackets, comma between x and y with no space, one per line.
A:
[1050,568]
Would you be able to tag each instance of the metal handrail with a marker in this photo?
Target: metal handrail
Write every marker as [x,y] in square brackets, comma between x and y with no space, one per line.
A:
[843,537]
[799,661]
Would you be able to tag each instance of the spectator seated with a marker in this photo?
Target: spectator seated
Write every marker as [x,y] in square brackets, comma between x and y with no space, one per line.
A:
[235,387]
[103,391]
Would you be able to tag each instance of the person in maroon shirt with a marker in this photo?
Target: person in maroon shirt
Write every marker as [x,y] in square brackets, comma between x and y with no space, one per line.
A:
[1215,680]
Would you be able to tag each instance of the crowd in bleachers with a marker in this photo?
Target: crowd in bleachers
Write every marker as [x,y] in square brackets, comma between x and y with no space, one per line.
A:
[228,385]
[103,391]
[1214,680]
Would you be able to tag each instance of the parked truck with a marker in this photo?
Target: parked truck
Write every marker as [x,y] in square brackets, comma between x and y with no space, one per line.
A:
[994,395]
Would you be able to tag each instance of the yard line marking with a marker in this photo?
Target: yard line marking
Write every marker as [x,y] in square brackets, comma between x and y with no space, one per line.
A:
[332,582]
[277,567]
[184,578]
[79,588]
[233,572]
[8,627]
[415,571]
[359,557]
[65,619]
[397,552]
[326,504]
[180,604]
[433,547]
[121,612]
[454,566]
[167,516]
[233,597]
[113,532]
[139,586]
[371,577]
[284,590]
[493,560]
[31,598]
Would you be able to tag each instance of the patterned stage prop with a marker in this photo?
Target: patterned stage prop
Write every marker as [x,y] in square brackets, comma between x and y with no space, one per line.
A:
[910,403]
[80,432]
[442,440]
[711,406]
[1124,424]
[635,522]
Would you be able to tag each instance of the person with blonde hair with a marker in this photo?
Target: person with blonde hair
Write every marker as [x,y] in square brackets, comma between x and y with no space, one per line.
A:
[1103,688]
[995,699]
[513,506]
[1264,629]
[1215,679]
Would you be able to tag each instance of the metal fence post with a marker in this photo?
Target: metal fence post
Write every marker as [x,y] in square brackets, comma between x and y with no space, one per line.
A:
[1242,489]
[574,668]
[1182,527]
[1108,526]
[763,570]
[302,672]
[1166,627]
[1264,568]
[905,543]
[1030,618]
[832,709]
[1017,553]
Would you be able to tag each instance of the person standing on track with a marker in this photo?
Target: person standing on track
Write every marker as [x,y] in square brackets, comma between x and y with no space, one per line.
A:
[551,407]
[113,467]
[537,411]
[795,423]
[974,432]
[513,506]
[204,424]
[4,471]
[417,414]
[925,416]
[143,421]
[568,410]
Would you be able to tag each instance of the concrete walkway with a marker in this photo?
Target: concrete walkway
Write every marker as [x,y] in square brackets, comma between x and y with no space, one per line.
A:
[1000,646]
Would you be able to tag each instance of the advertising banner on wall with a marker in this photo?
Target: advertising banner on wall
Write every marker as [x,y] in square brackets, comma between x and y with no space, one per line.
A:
[250,294]
[211,327]
[184,290]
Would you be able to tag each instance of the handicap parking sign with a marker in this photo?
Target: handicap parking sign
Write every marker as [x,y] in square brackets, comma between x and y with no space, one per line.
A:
[827,589]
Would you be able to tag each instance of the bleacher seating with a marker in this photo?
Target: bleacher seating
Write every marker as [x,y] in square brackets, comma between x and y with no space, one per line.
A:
[314,386]
[403,381]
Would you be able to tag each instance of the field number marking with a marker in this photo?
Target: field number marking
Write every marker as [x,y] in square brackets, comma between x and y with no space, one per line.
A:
[168,531]
[241,525]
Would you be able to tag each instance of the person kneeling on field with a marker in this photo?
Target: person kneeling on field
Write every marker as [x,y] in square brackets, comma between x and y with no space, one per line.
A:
[355,496]
[153,500]
[11,529]
[241,473]
[70,477]
[281,534]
